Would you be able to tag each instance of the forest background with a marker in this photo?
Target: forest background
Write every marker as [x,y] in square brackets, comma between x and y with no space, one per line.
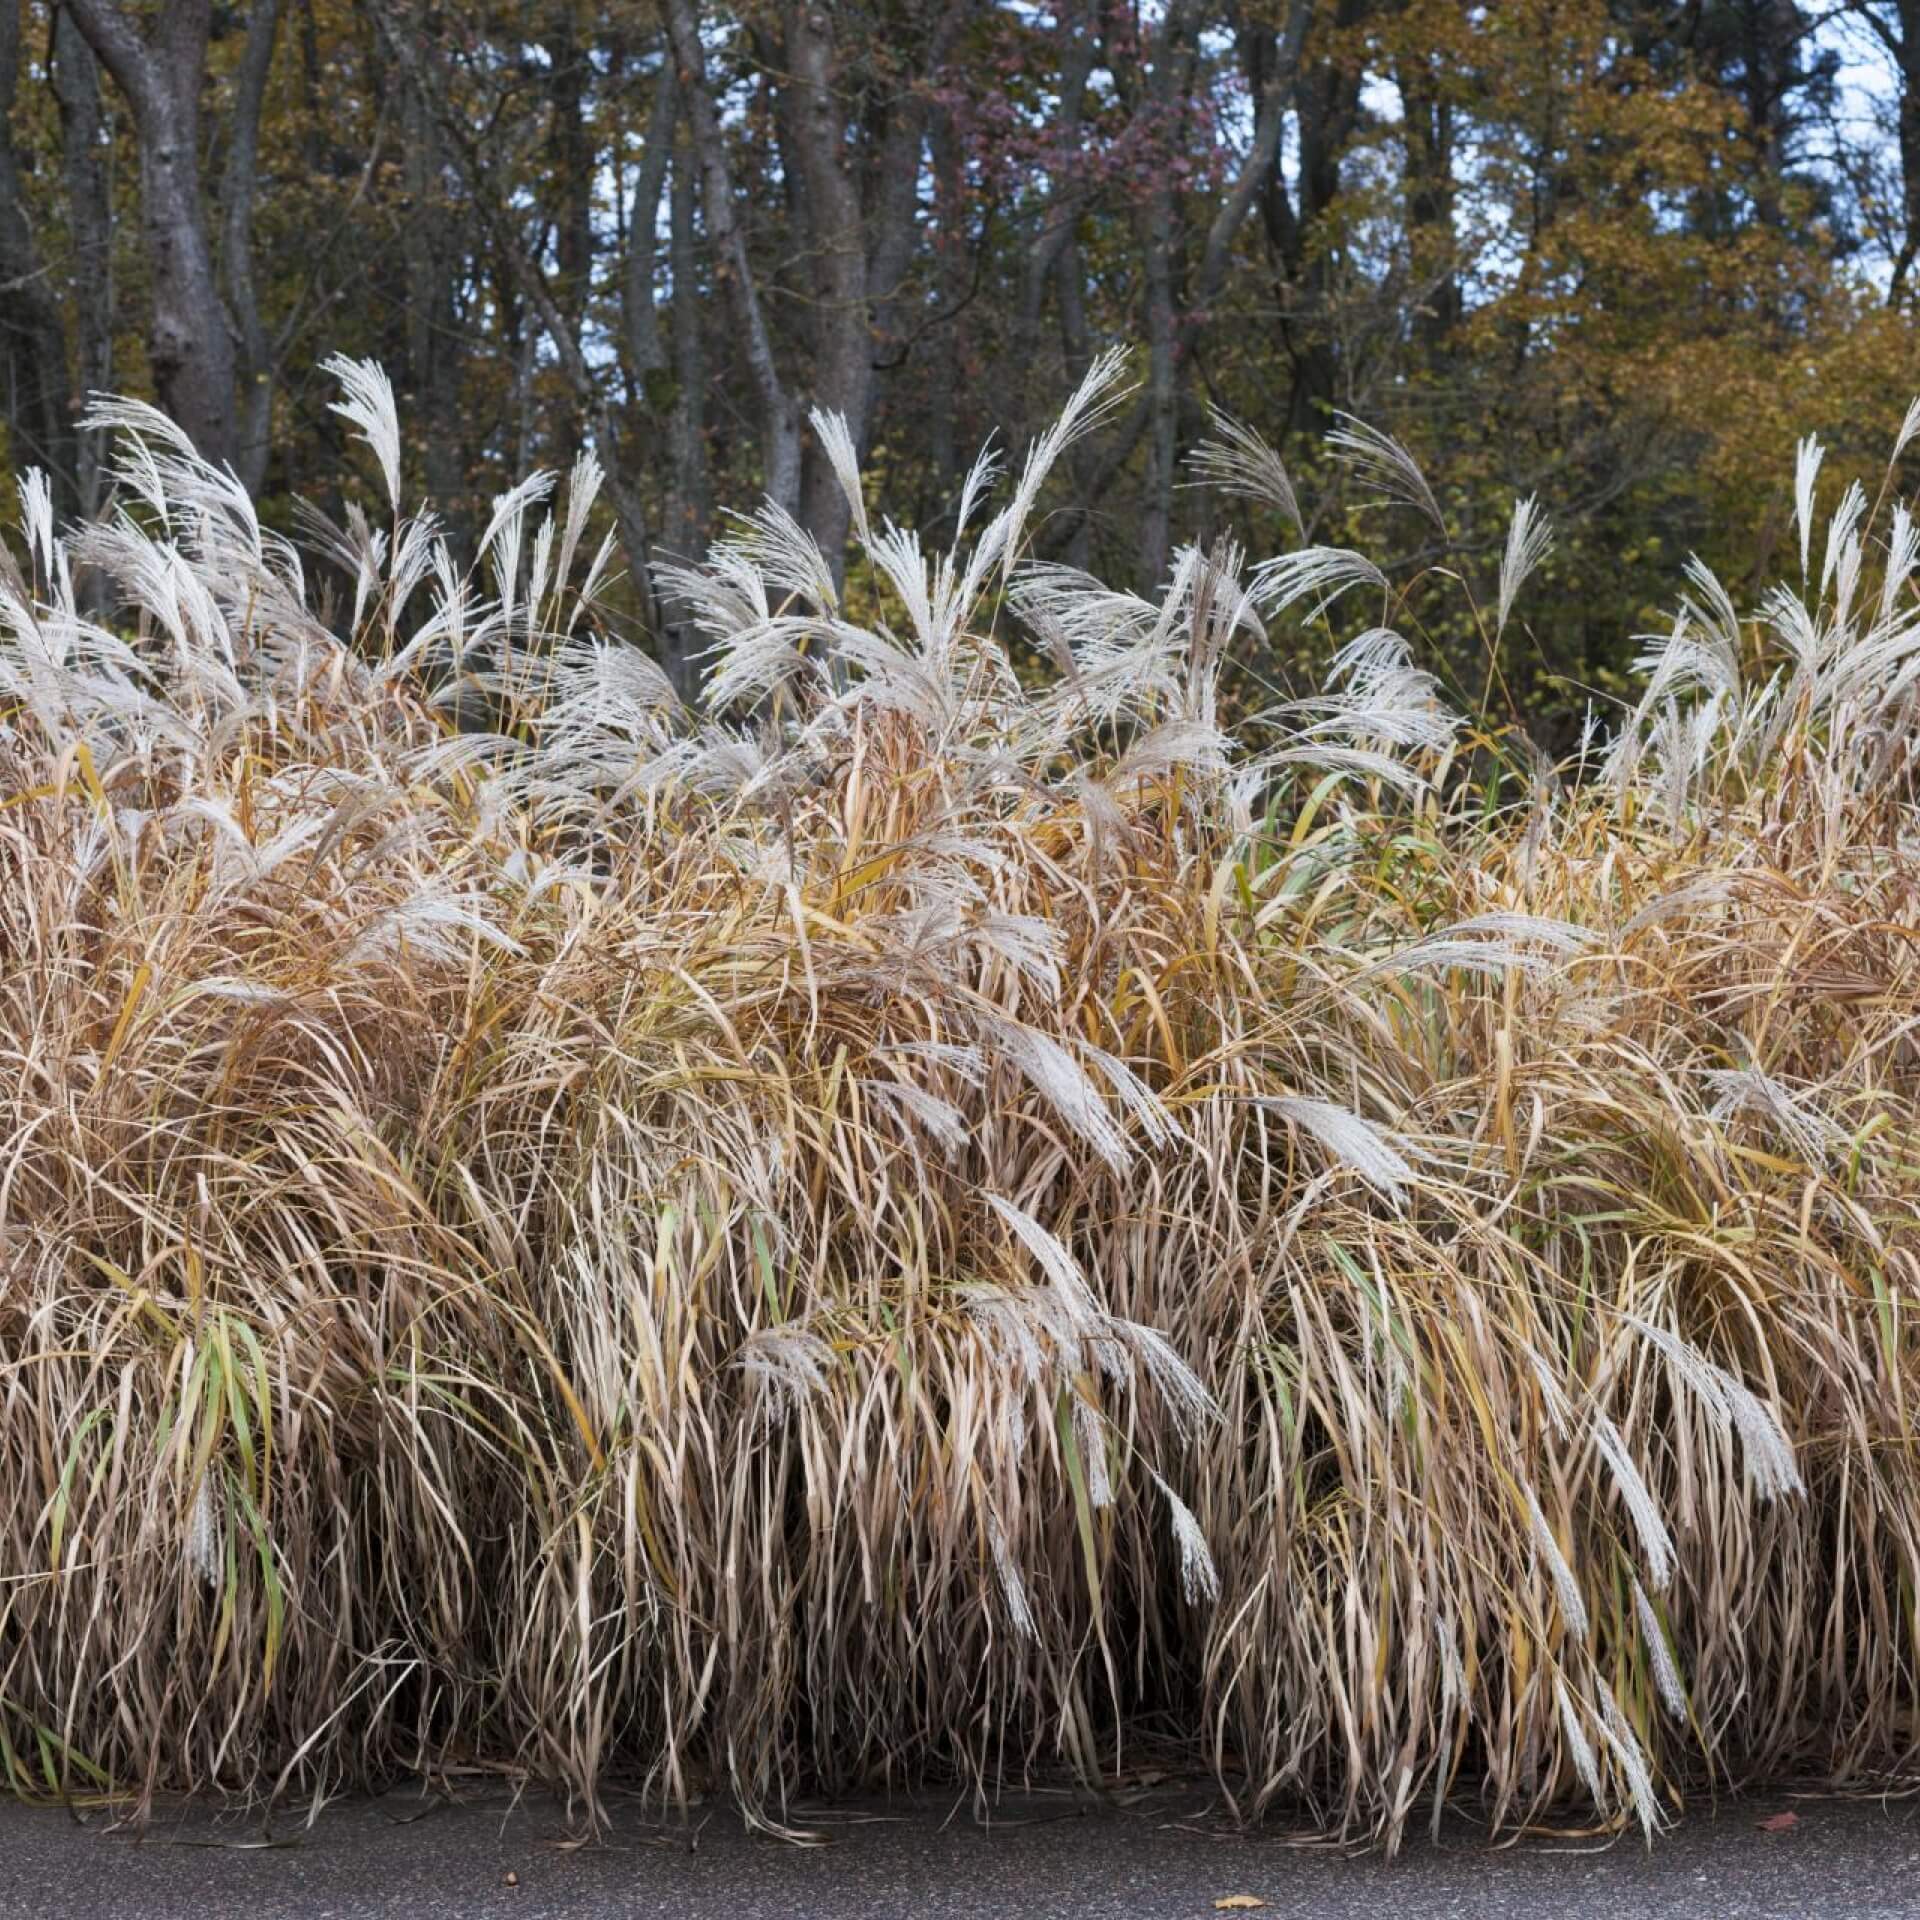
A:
[1615,252]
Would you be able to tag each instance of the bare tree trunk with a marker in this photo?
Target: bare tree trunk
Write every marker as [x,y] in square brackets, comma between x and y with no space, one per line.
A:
[689,503]
[1163,391]
[189,341]
[690,509]
[1909,178]
[1327,97]
[430,258]
[238,187]
[1079,47]
[891,187]
[1167,89]
[34,398]
[1057,255]
[780,419]
[1076,351]
[843,365]
[639,321]
[1275,67]
[950,278]
[573,161]
[669,373]
[401,31]
[525,360]
[864,228]
[1900,35]
[1909,186]
[1427,118]
[76,85]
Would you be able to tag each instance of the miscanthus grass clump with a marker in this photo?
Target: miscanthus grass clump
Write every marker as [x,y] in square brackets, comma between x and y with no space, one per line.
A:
[916,1225]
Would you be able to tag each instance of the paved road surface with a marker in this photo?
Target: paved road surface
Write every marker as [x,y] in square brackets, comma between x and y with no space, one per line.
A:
[1841,1860]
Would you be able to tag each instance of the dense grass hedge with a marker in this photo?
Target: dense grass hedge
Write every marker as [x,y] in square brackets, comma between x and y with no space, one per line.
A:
[943,1226]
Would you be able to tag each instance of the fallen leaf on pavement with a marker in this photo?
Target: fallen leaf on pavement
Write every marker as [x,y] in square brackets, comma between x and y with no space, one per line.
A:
[1778,1823]
[1236,1903]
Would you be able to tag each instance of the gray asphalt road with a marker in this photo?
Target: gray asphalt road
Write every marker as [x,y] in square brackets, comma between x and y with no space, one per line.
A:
[1841,1860]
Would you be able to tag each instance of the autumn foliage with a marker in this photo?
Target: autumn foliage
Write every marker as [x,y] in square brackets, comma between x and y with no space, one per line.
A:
[1618,253]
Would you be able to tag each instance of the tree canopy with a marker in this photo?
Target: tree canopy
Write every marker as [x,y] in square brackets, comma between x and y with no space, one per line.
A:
[1615,252]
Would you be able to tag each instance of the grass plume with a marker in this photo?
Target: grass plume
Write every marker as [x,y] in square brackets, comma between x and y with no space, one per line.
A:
[909,1223]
